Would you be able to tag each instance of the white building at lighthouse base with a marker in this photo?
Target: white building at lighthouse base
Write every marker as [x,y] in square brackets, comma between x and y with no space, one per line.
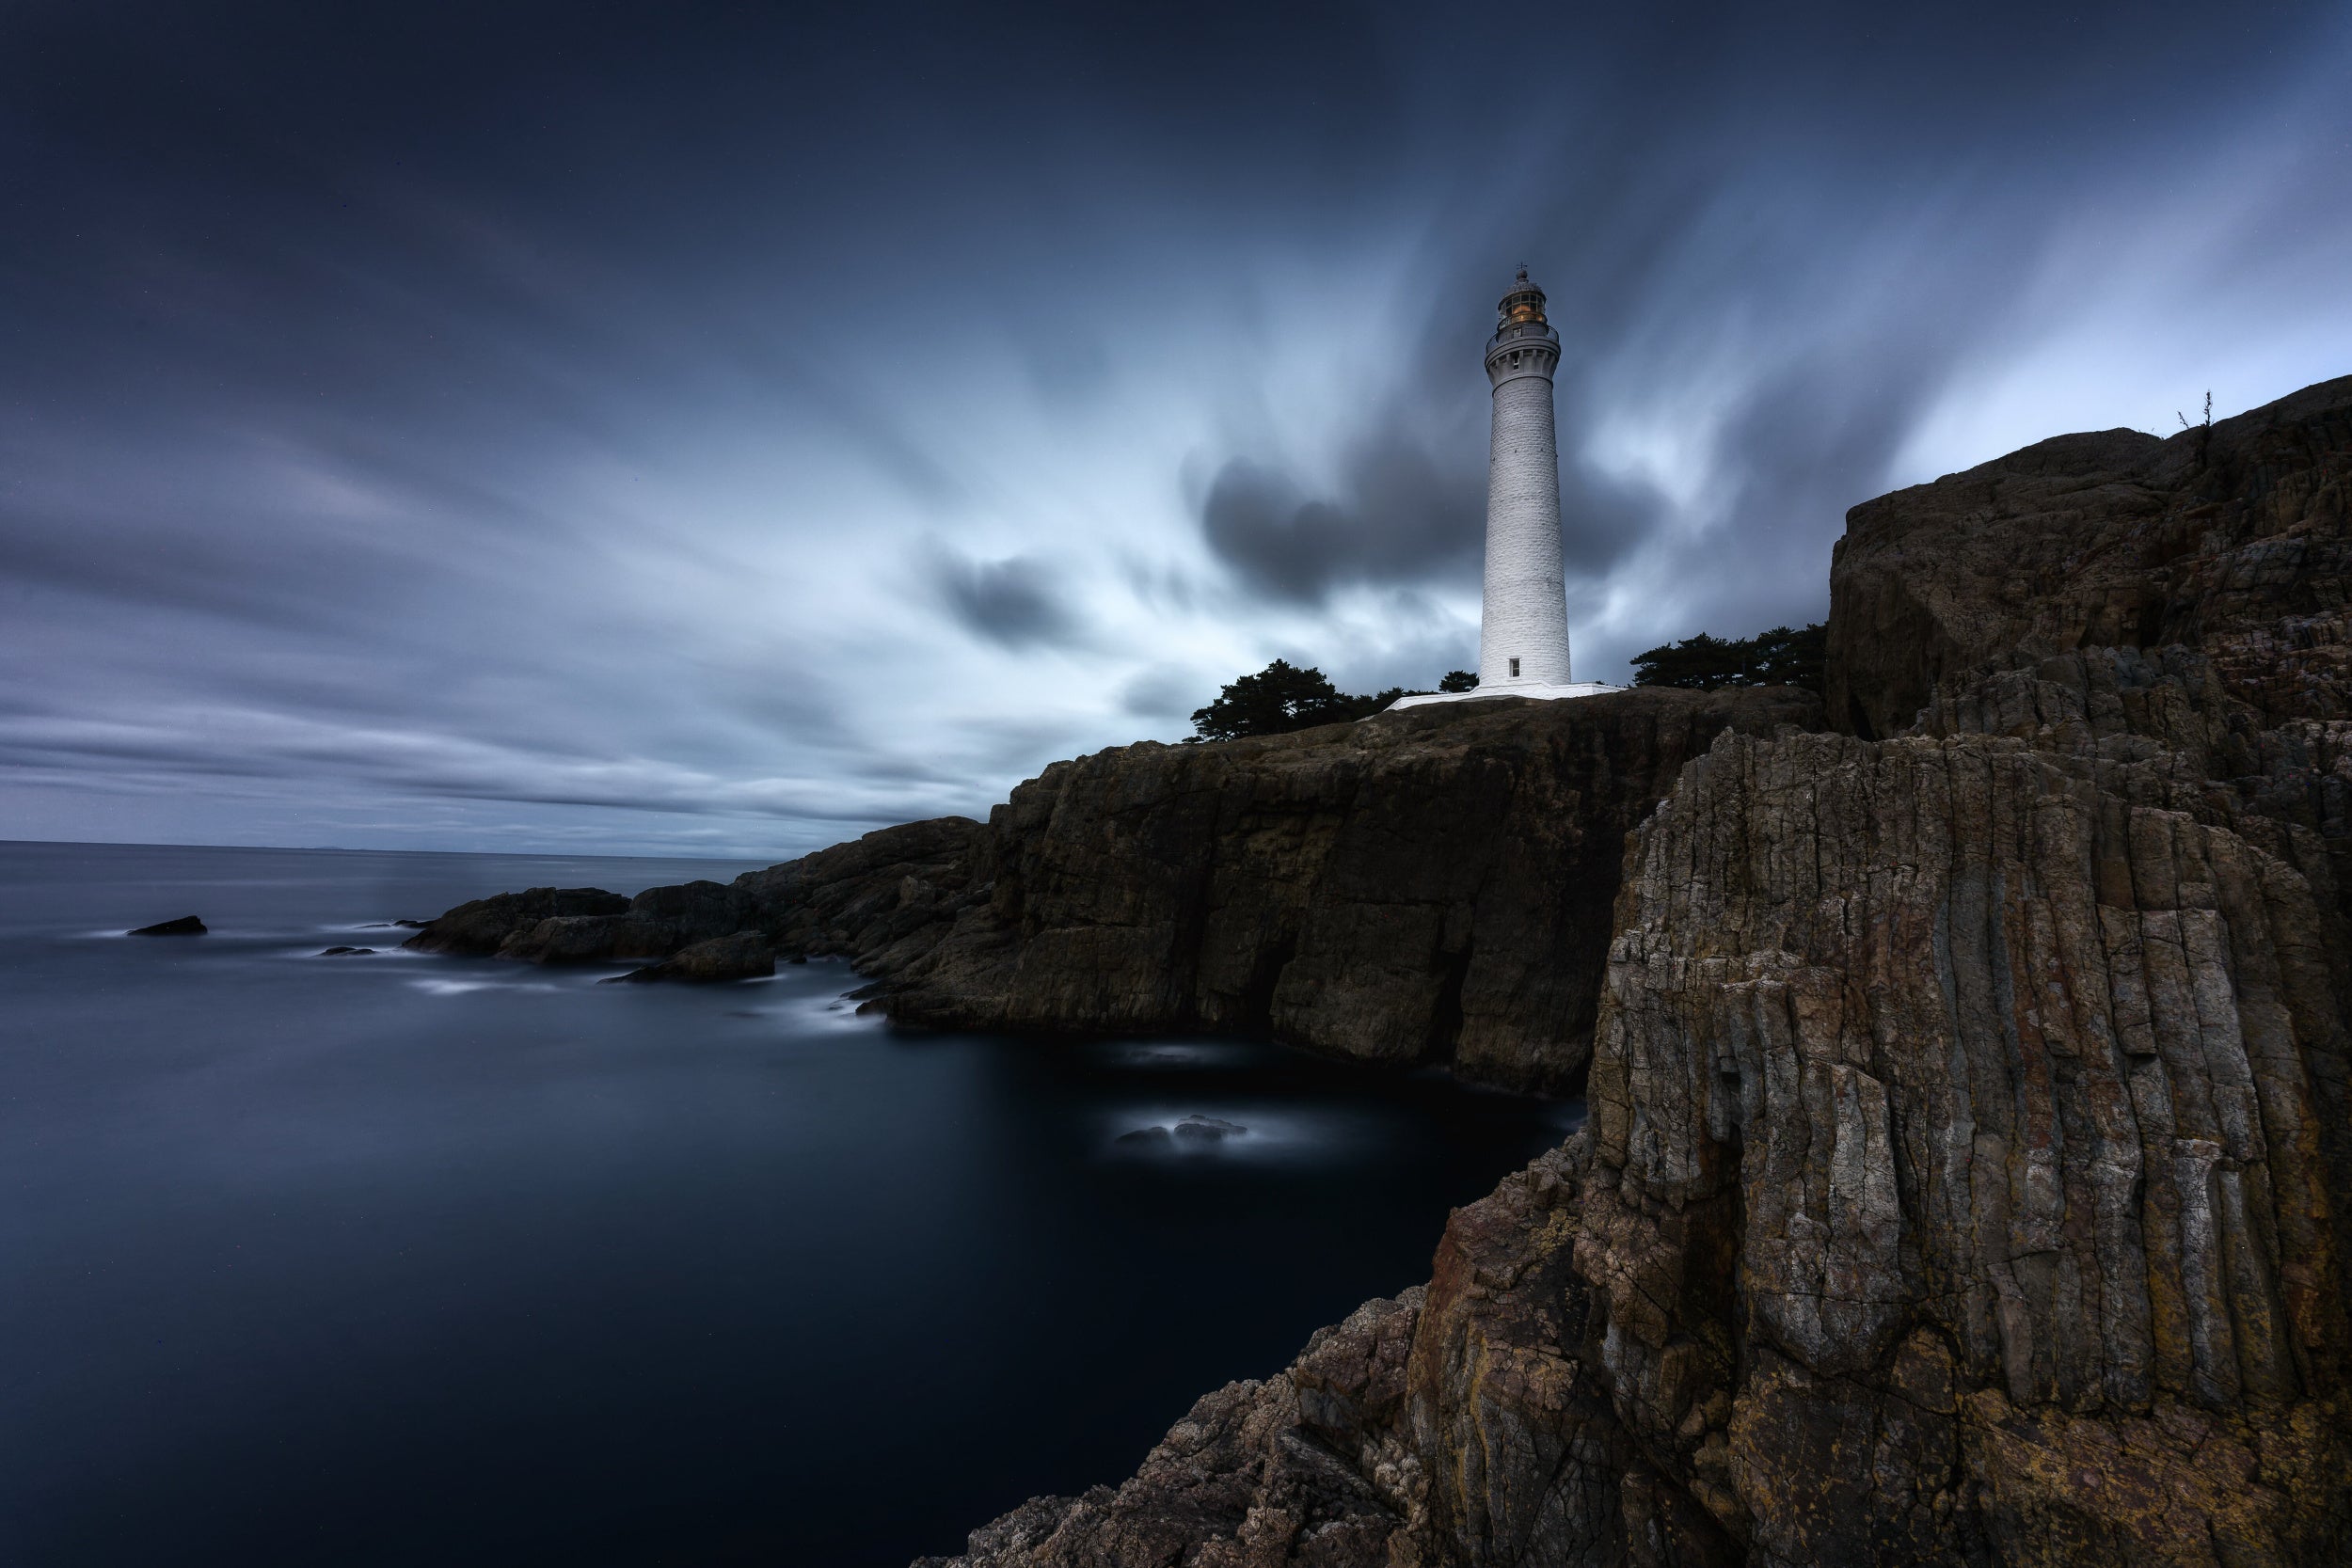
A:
[1488,693]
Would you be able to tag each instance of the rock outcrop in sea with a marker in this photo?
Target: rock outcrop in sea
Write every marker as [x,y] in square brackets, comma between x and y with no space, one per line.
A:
[1969,1177]
[186,925]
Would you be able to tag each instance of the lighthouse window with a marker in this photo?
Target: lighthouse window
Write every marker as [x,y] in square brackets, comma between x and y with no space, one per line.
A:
[1514,669]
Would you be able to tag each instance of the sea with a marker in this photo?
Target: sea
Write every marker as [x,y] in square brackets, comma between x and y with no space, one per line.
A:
[389,1259]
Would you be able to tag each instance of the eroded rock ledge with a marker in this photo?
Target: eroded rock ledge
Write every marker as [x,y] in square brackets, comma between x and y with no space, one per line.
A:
[1969,1177]
[1428,885]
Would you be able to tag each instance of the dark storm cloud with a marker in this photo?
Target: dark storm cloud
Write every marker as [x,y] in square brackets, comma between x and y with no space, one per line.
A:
[1014,603]
[555,406]
[1402,516]
[1255,519]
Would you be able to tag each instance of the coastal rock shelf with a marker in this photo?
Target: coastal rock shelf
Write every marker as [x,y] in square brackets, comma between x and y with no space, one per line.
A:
[1424,886]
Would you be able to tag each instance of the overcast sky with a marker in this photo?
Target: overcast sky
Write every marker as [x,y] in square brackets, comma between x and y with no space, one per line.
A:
[710,429]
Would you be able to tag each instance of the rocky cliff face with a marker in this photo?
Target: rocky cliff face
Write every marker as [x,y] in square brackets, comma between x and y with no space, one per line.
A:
[1432,885]
[2225,541]
[1427,885]
[1968,1175]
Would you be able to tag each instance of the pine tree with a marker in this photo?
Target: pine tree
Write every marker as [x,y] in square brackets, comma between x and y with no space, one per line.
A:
[1781,657]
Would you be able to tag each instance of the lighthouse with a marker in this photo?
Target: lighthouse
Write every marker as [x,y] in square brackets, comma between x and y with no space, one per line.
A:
[1523,628]
[1523,620]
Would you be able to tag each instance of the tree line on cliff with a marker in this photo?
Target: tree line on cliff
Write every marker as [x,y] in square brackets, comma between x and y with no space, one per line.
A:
[1780,656]
[1283,697]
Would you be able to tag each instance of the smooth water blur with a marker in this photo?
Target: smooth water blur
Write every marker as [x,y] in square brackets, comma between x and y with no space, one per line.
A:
[397,1260]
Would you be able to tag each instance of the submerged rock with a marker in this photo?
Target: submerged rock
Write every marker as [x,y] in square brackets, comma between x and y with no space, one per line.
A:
[186,925]
[1191,1133]
[344,952]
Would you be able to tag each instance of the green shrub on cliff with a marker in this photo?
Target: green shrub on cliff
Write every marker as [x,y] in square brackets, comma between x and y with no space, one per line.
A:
[1776,658]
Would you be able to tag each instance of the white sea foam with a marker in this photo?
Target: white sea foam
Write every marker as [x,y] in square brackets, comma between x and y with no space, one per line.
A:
[459,988]
[1261,1132]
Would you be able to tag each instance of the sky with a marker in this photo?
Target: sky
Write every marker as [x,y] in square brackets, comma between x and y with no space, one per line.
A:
[724,429]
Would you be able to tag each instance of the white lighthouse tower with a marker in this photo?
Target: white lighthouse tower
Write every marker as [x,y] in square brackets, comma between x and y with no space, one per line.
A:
[1523,623]
[1523,632]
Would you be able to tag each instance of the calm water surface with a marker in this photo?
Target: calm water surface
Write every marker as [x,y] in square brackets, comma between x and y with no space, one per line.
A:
[404,1260]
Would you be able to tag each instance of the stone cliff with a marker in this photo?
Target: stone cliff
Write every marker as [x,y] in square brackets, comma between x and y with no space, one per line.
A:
[1427,885]
[1969,1177]
[1433,884]
[2215,540]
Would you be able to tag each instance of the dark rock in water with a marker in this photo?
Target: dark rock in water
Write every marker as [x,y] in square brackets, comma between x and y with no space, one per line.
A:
[1193,1131]
[481,927]
[186,925]
[880,901]
[744,956]
[588,938]
[343,952]
[657,923]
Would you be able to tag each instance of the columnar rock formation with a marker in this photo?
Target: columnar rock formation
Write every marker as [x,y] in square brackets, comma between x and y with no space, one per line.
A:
[1967,1178]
